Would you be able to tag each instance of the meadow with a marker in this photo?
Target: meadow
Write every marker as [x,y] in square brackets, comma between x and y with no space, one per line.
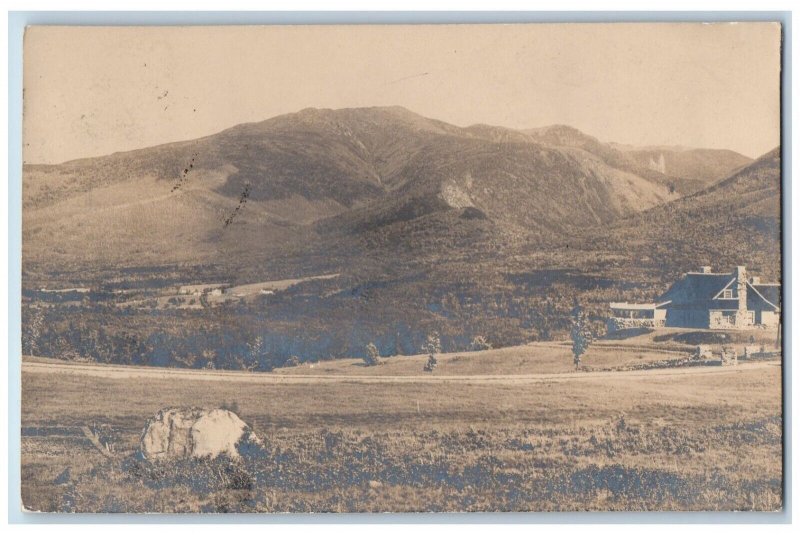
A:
[683,439]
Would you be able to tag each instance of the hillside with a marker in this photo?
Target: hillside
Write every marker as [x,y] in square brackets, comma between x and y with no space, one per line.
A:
[471,232]
[705,165]
[466,232]
[684,170]
[291,182]
[736,220]
[521,184]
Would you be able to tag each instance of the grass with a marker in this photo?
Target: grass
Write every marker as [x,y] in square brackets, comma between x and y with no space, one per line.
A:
[531,358]
[541,357]
[707,441]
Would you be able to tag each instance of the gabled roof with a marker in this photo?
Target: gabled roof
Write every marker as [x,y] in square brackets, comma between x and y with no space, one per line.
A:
[771,293]
[696,287]
[703,290]
[730,286]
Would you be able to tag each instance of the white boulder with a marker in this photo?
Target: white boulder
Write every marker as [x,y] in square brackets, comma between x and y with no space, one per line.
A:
[180,433]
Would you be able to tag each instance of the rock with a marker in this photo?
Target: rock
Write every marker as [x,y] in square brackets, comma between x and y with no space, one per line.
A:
[180,433]
[702,352]
[729,357]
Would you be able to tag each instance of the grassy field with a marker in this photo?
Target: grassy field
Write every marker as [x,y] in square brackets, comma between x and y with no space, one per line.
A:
[576,441]
[539,357]
[533,358]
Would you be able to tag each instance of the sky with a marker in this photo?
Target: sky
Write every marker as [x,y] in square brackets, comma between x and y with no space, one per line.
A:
[90,91]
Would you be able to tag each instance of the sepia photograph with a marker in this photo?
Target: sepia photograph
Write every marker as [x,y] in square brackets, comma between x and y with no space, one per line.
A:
[402,268]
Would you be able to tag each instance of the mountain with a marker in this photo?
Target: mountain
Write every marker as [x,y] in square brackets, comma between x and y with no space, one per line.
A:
[736,220]
[309,180]
[705,165]
[685,170]
[751,193]
[425,226]
[519,184]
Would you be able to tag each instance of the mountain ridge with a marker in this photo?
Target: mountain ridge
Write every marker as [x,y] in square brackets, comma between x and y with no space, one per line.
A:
[340,171]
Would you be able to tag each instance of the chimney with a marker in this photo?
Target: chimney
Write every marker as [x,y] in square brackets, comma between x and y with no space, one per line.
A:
[755,280]
[741,287]
[705,269]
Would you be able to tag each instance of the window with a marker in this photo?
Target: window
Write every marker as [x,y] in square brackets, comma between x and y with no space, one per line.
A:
[727,294]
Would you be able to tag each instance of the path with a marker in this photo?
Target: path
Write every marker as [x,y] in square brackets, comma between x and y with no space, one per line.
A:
[136,372]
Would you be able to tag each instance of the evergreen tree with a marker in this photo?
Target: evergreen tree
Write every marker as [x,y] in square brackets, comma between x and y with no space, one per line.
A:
[372,356]
[581,334]
[432,346]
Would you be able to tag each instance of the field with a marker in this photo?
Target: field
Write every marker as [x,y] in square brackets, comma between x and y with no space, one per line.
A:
[528,435]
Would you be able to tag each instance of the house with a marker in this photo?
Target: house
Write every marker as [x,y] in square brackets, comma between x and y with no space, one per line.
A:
[197,290]
[706,300]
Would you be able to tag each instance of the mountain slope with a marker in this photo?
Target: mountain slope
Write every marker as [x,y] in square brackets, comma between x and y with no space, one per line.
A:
[751,194]
[305,179]
[685,170]
[706,165]
[735,221]
[478,231]
[522,185]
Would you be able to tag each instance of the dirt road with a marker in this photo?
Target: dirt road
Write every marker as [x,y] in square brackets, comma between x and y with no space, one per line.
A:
[133,372]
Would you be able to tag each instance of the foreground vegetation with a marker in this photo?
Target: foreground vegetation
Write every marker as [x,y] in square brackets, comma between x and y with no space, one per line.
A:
[702,441]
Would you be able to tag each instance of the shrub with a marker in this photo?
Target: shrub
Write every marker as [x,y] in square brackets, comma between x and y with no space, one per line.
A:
[580,333]
[431,364]
[372,357]
[479,343]
[432,347]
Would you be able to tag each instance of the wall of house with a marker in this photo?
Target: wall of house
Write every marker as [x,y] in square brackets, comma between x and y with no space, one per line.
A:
[679,317]
[632,313]
[732,319]
[621,324]
[768,318]
[721,319]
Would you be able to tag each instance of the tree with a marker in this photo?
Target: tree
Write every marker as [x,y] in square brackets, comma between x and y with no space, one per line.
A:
[479,343]
[580,333]
[431,363]
[204,298]
[32,331]
[372,356]
[255,353]
[188,360]
[209,356]
[432,346]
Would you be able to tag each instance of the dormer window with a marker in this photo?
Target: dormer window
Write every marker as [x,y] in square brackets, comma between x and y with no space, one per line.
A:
[727,294]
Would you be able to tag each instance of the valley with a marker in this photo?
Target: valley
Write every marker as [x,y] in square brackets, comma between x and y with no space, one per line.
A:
[478,231]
